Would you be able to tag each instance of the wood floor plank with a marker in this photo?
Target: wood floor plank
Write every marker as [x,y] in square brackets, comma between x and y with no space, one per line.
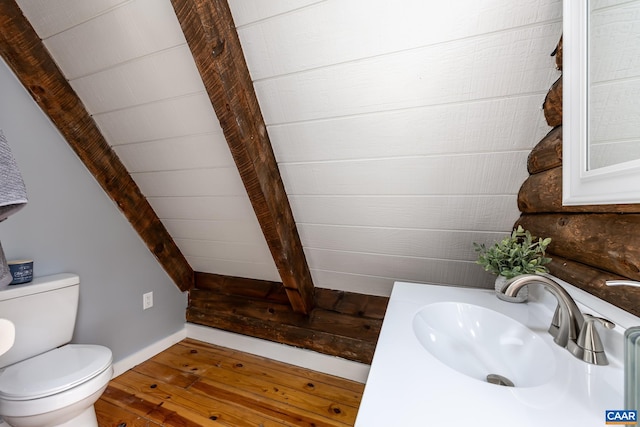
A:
[167,374]
[156,410]
[111,415]
[244,389]
[198,384]
[265,371]
[282,394]
[308,374]
[203,405]
[174,360]
[291,415]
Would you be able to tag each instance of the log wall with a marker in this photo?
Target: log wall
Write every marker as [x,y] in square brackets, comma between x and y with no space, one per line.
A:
[590,244]
[341,323]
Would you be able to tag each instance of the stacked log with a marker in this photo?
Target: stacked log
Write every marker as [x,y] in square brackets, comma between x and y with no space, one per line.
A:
[590,244]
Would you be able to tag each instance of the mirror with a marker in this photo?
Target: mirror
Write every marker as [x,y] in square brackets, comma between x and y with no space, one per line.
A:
[614,83]
[601,102]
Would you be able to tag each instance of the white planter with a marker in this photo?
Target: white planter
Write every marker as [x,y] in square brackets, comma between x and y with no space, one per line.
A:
[520,297]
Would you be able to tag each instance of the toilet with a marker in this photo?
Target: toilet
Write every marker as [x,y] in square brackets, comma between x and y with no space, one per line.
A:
[44,380]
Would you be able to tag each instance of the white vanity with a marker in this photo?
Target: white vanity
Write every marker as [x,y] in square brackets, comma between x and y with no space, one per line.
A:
[438,344]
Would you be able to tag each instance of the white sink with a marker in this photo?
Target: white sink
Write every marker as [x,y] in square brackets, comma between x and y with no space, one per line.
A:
[482,343]
[438,344]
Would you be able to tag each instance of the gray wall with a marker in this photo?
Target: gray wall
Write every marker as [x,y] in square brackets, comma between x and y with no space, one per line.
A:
[70,225]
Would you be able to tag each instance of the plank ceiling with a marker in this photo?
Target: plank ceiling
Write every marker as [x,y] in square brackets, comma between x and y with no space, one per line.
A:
[401,129]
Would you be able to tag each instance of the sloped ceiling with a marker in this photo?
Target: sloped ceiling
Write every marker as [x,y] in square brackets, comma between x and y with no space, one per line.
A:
[401,129]
[129,63]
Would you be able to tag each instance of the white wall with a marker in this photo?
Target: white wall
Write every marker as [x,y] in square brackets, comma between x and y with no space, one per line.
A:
[70,225]
[401,128]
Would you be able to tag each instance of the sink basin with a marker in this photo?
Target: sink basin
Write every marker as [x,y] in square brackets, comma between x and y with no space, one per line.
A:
[438,344]
[484,344]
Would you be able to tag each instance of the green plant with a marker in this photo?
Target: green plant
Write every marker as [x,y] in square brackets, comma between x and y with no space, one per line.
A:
[517,254]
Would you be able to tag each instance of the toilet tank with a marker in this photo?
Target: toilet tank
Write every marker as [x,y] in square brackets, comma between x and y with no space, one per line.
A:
[43,312]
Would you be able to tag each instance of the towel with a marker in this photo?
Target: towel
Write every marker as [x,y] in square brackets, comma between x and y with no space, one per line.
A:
[5,274]
[13,197]
[13,194]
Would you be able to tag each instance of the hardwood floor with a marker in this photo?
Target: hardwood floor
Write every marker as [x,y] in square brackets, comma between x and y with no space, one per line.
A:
[197,384]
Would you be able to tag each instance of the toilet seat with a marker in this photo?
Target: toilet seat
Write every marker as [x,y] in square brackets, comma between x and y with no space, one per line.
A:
[53,372]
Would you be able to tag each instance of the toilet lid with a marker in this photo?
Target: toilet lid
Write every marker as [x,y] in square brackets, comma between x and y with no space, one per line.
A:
[53,372]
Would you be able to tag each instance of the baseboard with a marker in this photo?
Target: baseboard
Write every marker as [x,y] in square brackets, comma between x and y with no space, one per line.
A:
[308,359]
[148,352]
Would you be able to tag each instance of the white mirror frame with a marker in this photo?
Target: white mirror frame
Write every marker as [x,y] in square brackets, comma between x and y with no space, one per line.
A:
[617,184]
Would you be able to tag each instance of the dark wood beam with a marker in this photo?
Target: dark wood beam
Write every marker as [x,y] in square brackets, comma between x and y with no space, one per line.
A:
[342,324]
[24,52]
[210,32]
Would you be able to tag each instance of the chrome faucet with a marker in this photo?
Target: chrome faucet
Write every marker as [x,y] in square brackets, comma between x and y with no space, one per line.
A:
[569,327]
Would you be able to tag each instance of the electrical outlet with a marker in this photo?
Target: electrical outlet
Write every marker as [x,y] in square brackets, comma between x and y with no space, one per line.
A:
[147,300]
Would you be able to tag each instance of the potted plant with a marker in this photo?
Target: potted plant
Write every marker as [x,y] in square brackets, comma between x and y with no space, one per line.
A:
[519,253]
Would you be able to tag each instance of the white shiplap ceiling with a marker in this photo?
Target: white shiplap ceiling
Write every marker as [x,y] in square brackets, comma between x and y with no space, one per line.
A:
[401,128]
[130,64]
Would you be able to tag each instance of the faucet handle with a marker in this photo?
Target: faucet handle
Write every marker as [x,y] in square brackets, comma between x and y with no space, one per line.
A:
[604,322]
[589,340]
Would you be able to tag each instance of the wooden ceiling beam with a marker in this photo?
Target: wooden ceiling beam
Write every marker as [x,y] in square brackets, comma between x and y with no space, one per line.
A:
[25,53]
[211,35]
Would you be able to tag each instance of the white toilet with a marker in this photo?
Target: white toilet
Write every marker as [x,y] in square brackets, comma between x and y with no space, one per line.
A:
[44,381]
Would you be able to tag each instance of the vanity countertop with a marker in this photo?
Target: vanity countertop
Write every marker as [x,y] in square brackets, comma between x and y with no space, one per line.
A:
[408,386]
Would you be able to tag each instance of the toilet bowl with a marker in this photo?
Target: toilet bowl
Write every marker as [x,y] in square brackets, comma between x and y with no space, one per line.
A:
[56,388]
[44,380]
